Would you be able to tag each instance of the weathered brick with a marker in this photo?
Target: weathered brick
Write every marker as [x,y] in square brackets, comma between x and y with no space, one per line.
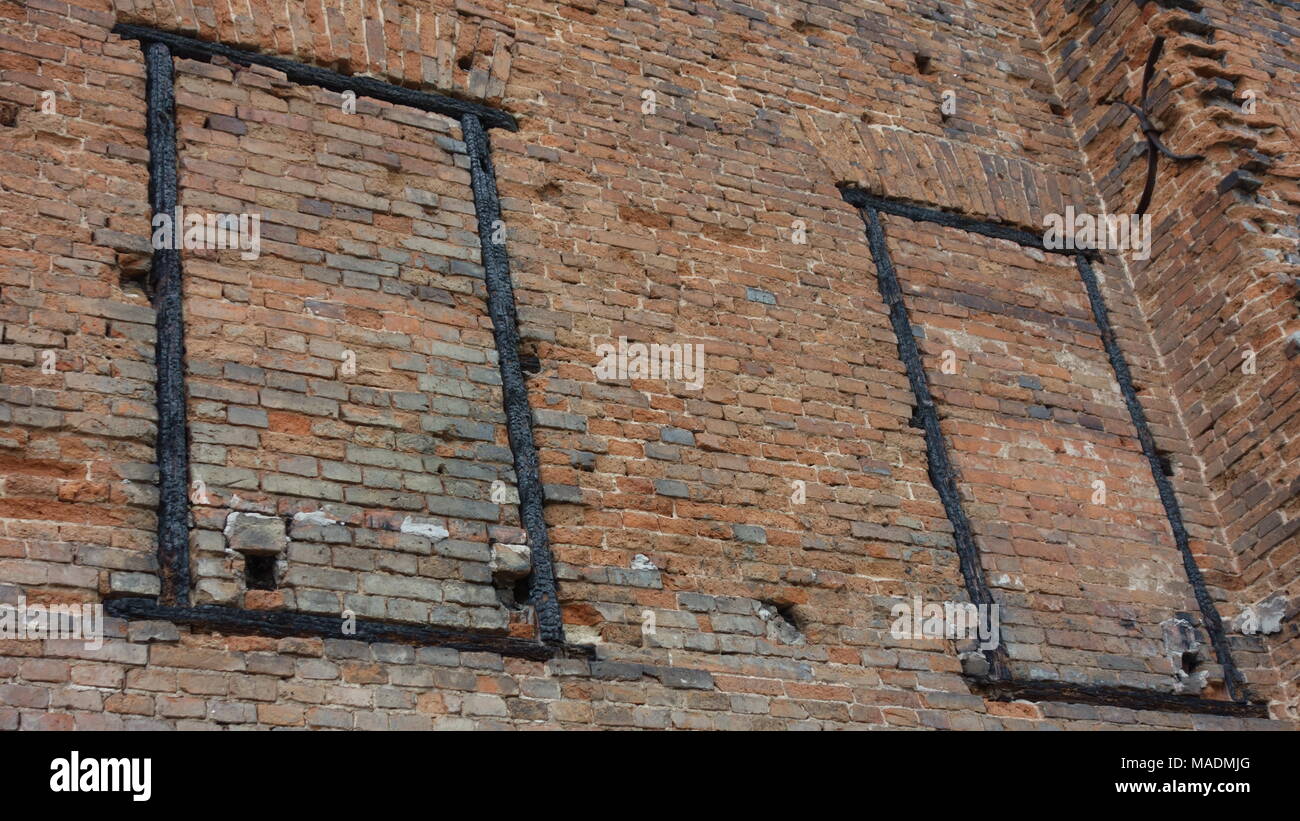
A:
[756,526]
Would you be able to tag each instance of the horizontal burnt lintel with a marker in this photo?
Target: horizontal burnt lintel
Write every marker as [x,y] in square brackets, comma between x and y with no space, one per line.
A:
[1132,698]
[285,623]
[188,47]
[988,228]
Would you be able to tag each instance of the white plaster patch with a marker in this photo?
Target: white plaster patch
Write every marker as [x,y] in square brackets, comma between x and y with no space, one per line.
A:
[315,517]
[642,562]
[429,530]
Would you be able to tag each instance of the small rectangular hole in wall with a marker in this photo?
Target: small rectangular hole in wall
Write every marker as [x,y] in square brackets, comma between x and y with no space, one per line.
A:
[259,572]
[133,276]
[1166,464]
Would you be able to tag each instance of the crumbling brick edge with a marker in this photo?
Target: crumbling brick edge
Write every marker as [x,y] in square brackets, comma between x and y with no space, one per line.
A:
[286,623]
[942,475]
[172,444]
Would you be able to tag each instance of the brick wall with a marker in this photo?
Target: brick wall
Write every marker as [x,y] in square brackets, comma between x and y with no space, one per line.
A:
[675,225]
[1221,280]
[347,380]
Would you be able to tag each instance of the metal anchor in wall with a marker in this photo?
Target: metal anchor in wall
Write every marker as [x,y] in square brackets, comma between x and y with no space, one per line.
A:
[1154,145]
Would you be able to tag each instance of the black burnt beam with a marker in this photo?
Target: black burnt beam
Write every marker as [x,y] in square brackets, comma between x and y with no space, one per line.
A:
[171,444]
[514,390]
[1173,512]
[302,74]
[997,230]
[940,467]
[287,623]
[1133,698]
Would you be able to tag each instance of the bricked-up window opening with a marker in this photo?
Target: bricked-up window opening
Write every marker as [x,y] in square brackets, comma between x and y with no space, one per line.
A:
[175,450]
[1000,679]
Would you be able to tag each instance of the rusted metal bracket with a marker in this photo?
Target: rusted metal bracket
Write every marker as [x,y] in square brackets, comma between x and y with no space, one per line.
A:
[1155,147]
[189,48]
[1232,677]
[1111,695]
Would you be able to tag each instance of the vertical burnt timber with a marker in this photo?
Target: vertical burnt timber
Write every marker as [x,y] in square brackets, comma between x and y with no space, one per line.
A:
[1213,623]
[940,468]
[519,415]
[169,347]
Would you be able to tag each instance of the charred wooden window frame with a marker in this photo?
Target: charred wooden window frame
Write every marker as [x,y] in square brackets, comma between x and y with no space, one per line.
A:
[173,603]
[999,683]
